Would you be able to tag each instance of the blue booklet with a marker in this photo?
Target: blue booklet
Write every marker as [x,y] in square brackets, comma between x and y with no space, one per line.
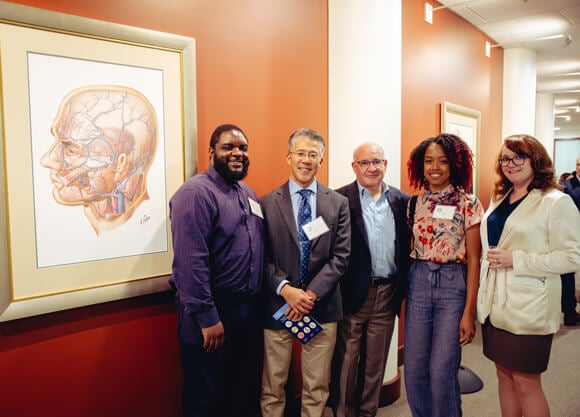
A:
[303,330]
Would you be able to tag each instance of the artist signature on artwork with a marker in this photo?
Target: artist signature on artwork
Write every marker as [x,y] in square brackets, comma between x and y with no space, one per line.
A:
[144,219]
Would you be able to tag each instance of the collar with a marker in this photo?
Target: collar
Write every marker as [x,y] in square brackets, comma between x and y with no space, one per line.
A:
[449,196]
[441,194]
[294,188]
[362,191]
[217,177]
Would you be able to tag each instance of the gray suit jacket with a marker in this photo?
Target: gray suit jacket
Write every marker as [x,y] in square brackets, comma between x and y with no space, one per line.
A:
[328,256]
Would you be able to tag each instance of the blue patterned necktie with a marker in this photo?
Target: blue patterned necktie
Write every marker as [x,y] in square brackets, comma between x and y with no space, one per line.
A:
[304,217]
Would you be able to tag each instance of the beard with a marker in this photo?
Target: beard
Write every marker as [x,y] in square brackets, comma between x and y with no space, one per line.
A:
[229,175]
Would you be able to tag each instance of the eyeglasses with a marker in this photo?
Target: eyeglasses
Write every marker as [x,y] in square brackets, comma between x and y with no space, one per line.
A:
[517,160]
[313,156]
[377,163]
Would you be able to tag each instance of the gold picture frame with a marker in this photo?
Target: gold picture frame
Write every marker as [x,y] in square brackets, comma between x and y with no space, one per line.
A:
[465,123]
[51,256]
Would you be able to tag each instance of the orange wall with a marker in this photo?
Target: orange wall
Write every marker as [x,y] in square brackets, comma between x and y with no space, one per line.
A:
[446,61]
[113,359]
[261,65]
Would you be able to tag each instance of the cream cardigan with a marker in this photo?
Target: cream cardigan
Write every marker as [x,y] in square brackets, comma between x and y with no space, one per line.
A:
[543,233]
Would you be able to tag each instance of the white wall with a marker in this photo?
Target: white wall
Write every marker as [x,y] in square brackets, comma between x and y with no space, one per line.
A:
[364,46]
[519,91]
[364,103]
[545,121]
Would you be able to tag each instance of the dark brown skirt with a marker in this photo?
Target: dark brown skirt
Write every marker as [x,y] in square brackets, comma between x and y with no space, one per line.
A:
[521,353]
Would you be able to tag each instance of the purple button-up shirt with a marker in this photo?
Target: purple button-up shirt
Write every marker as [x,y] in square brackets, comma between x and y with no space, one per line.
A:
[217,244]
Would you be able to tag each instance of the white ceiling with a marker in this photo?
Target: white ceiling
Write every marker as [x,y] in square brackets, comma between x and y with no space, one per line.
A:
[520,23]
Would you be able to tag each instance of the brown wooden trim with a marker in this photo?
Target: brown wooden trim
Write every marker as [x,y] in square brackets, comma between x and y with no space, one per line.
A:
[391,391]
[400,355]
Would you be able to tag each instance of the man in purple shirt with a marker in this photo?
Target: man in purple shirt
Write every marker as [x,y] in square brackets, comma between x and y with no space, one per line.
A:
[216,224]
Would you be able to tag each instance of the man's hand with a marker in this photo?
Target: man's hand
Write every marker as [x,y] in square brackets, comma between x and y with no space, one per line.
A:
[213,336]
[312,295]
[298,300]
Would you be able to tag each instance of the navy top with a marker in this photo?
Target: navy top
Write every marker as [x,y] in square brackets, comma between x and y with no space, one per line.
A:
[217,243]
[496,220]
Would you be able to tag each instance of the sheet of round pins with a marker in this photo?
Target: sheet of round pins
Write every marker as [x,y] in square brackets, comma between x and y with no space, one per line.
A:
[303,330]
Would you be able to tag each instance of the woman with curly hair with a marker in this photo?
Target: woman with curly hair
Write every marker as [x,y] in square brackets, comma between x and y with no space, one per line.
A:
[443,279]
[534,229]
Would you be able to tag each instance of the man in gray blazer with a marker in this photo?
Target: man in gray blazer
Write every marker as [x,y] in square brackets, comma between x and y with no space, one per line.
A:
[315,290]
[372,288]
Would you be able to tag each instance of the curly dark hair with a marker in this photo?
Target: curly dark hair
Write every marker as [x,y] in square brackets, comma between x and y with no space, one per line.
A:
[530,147]
[460,161]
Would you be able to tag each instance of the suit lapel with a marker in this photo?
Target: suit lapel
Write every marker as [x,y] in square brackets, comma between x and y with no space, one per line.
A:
[284,203]
[322,205]
[398,225]
[357,217]
[520,213]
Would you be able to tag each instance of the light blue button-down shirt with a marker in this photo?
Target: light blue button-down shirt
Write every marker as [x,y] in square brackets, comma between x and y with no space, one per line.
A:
[380,226]
[296,197]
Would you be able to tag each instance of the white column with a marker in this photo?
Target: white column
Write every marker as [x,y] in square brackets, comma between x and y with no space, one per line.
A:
[364,83]
[364,92]
[519,91]
[545,121]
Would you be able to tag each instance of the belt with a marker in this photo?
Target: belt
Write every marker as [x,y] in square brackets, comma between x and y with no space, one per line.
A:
[378,281]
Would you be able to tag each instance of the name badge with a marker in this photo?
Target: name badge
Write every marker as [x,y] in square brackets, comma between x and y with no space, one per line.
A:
[255,208]
[444,212]
[315,228]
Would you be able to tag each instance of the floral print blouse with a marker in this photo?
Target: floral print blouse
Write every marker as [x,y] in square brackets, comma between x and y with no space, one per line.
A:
[441,237]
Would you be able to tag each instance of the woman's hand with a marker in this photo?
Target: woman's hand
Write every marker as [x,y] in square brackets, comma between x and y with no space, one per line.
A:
[466,330]
[500,258]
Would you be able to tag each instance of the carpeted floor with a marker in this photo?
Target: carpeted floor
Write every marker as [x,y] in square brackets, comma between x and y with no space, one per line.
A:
[561,381]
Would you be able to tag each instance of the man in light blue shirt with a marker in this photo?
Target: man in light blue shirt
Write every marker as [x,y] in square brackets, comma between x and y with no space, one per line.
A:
[380,227]
[372,288]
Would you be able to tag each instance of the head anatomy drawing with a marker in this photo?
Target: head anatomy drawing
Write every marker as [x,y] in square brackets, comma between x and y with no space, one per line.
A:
[105,138]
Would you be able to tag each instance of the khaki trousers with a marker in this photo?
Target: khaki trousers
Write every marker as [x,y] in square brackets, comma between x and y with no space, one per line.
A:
[361,372]
[316,360]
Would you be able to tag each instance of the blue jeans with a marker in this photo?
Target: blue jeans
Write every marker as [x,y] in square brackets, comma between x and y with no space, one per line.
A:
[435,304]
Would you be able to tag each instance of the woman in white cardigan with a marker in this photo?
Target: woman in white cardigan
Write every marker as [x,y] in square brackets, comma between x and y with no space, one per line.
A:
[530,235]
